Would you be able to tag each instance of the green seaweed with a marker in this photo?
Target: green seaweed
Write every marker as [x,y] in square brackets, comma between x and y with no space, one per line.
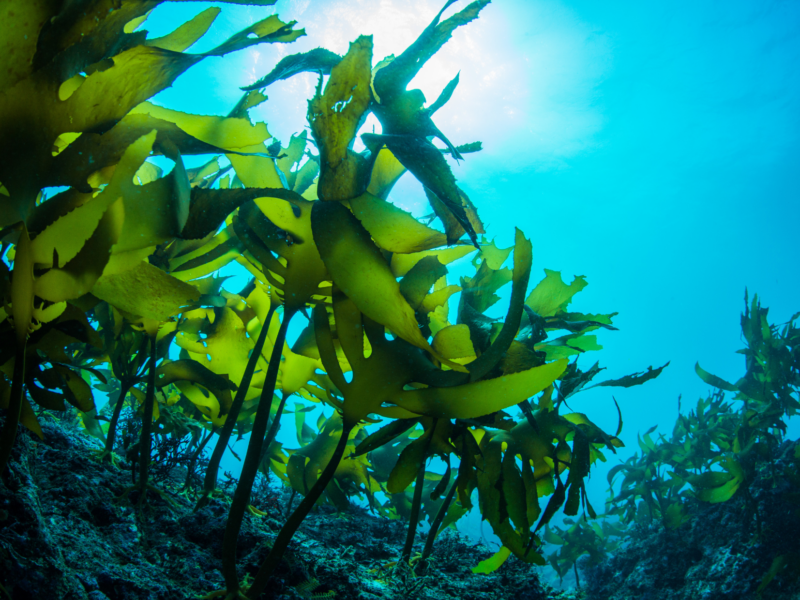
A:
[595,540]
[314,226]
[716,451]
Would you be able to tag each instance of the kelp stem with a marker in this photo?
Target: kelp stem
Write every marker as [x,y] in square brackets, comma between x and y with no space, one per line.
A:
[276,422]
[9,433]
[241,497]
[527,410]
[212,470]
[147,422]
[293,522]
[414,518]
[291,501]
[417,502]
[661,508]
[437,521]
[195,456]
[125,385]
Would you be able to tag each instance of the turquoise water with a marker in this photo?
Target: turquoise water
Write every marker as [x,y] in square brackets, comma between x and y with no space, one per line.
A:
[652,147]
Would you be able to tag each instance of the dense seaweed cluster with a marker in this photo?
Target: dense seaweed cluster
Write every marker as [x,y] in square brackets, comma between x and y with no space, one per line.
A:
[110,285]
[719,449]
[725,449]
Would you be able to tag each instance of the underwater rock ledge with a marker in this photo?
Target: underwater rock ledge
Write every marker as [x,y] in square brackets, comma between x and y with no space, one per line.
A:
[64,535]
[717,555]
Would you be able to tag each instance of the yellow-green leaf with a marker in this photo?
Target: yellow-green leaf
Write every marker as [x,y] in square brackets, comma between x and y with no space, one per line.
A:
[22,21]
[420,279]
[335,116]
[386,171]
[226,133]
[408,465]
[188,33]
[711,379]
[79,275]
[22,286]
[402,263]
[453,342]
[256,171]
[552,295]
[146,291]
[722,493]
[439,297]
[359,269]
[522,270]
[494,256]
[493,563]
[710,479]
[483,397]
[394,229]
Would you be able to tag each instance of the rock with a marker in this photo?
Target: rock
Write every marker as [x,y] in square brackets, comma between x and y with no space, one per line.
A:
[717,555]
[68,535]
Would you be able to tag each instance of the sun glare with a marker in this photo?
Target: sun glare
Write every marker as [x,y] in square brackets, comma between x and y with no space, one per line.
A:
[394,28]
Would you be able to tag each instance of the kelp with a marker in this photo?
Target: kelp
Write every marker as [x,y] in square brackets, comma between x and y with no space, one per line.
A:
[595,540]
[127,354]
[118,269]
[88,73]
[715,451]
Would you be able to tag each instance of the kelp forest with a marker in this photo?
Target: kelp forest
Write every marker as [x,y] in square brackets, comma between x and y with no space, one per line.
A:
[119,335]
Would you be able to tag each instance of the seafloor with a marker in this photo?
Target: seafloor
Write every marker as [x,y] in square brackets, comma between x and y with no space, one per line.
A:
[719,554]
[65,534]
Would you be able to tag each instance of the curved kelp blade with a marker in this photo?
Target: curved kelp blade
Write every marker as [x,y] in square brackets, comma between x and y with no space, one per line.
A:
[713,380]
[82,272]
[483,397]
[632,380]
[494,562]
[521,274]
[318,60]
[428,165]
[166,295]
[360,271]
[392,228]
[122,72]
[271,227]
[391,80]
[334,116]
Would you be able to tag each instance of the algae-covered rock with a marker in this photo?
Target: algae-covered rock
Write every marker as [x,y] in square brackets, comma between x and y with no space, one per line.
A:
[65,536]
[716,555]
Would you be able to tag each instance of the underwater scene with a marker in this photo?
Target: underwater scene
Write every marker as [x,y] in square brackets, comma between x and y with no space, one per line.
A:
[402,299]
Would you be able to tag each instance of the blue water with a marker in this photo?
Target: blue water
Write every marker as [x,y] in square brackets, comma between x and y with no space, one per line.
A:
[653,147]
